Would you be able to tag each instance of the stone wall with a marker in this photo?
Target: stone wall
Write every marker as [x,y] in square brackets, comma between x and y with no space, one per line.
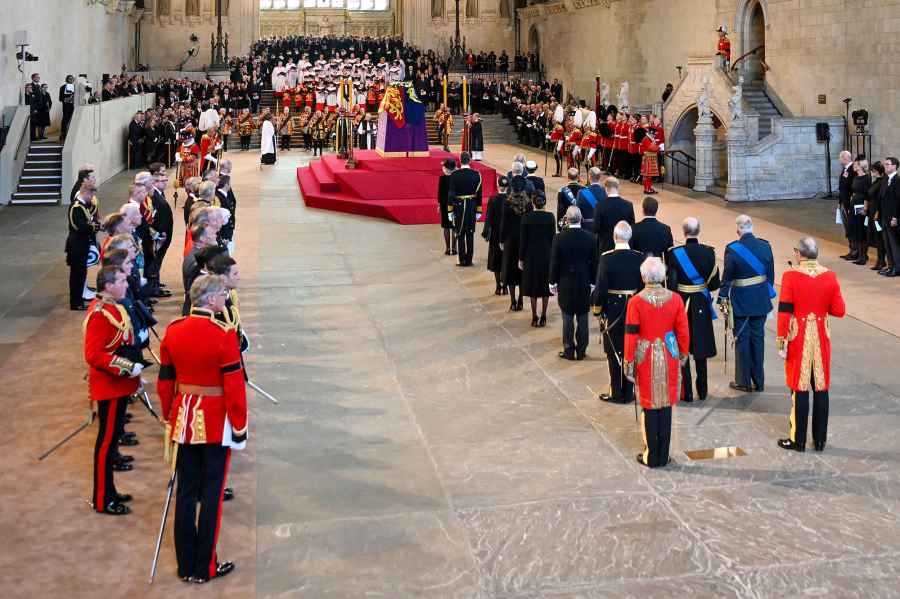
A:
[316,21]
[68,37]
[489,30]
[166,31]
[789,164]
[834,48]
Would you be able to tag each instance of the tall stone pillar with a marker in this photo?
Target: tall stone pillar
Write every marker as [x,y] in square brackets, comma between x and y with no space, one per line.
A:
[737,162]
[705,134]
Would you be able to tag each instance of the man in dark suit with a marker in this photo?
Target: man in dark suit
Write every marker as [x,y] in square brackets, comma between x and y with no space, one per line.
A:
[609,212]
[573,262]
[691,271]
[651,237]
[748,287]
[890,217]
[537,181]
[845,193]
[567,196]
[163,224]
[465,195]
[618,280]
[136,137]
[589,198]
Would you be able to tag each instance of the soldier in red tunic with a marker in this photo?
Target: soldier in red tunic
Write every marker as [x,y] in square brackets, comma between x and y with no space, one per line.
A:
[557,138]
[809,294]
[656,346]
[573,147]
[203,398]
[723,50]
[114,374]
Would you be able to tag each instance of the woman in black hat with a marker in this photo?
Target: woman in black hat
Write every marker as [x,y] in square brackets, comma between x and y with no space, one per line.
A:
[536,241]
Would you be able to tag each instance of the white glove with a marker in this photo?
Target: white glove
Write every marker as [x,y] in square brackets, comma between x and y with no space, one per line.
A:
[136,370]
[554,289]
[782,353]
[662,147]
[177,157]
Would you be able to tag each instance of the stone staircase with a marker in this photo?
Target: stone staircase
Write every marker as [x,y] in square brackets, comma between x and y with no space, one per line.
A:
[41,178]
[755,95]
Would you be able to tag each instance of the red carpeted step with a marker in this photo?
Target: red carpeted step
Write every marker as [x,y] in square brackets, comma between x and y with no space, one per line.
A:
[324,176]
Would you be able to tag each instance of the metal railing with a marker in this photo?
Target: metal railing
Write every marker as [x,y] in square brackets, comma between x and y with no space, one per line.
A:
[682,168]
[746,55]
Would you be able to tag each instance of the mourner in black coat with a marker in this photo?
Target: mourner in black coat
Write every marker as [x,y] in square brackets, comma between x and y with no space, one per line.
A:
[618,280]
[890,216]
[573,264]
[491,233]
[567,196]
[517,204]
[650,236]
[845,193]
[609,212]
[538,230]
[696,296]
[444,207]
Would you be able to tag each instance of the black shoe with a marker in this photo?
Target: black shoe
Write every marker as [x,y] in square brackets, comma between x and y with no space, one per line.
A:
[701,398]
[892,273]
[127,418]
[610,398]
[566,355]
[463,264]
[452,252]
[688,400]
[534,320]
[759,389]
[580,357]
[80,308]
[162,293]
[542,321]
[124,459]
[788,444]
[820,446]
[504,290]
[124,497]
[116,509]
[849,256]
[520,304]
[861,261]
[122,467]
[222,569]
[228,494]
[447,252]
[884,271]
[498,291]
[878,266]
[126,441]
[512,306]
[742,388]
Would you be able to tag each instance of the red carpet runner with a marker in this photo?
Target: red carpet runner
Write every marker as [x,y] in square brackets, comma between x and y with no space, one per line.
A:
[399,189]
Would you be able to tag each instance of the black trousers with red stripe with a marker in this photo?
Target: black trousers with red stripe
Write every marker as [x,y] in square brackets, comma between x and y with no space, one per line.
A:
[201,470]
[111,415]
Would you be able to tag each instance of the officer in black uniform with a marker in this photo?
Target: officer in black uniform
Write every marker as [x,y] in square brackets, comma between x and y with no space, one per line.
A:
[618,279]
[83,227]
[163,223]
[567,196]
[465,194]
[695,288]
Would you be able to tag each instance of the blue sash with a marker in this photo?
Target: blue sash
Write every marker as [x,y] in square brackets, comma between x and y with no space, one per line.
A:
[591,198]
[688,267]
[741,250]
[567,191]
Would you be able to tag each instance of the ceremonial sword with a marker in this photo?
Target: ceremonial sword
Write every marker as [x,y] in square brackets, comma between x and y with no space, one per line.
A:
[162,525]
[84,425]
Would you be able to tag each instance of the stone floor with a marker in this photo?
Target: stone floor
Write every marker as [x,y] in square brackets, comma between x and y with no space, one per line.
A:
[431,444]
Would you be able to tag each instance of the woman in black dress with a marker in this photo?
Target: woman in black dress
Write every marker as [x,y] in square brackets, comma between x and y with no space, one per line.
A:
[873,213]
[444,206]
[538,229]
[491,233]
[517,204]
[860,187]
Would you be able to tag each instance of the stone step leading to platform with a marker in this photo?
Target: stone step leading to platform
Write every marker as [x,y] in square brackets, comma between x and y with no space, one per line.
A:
[40,181]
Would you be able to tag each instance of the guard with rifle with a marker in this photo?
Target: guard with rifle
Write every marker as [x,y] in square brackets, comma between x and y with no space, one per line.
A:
[692,272]
[618,280]
[113,356]
[204,405]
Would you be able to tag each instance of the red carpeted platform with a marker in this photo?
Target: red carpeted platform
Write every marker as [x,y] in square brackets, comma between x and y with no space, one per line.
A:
[399,189]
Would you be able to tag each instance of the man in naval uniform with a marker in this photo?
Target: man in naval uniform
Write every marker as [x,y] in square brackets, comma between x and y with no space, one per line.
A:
[465,195]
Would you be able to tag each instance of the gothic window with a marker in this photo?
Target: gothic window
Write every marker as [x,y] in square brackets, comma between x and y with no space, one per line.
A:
[225,7]
[162,8]
[504,9]
[437,9]
[192,8]
[471,8]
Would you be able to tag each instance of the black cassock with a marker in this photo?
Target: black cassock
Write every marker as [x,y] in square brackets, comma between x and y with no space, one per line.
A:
[538,229]
[476,137]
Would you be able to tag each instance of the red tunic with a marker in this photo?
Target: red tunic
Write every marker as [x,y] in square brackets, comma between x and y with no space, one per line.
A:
[633,148]
[724,48]
[557,135]
[207,146]
[621,130]
[651,315]
[650,161]
[201,380]
[189,165]
[106,328]
[809,293]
